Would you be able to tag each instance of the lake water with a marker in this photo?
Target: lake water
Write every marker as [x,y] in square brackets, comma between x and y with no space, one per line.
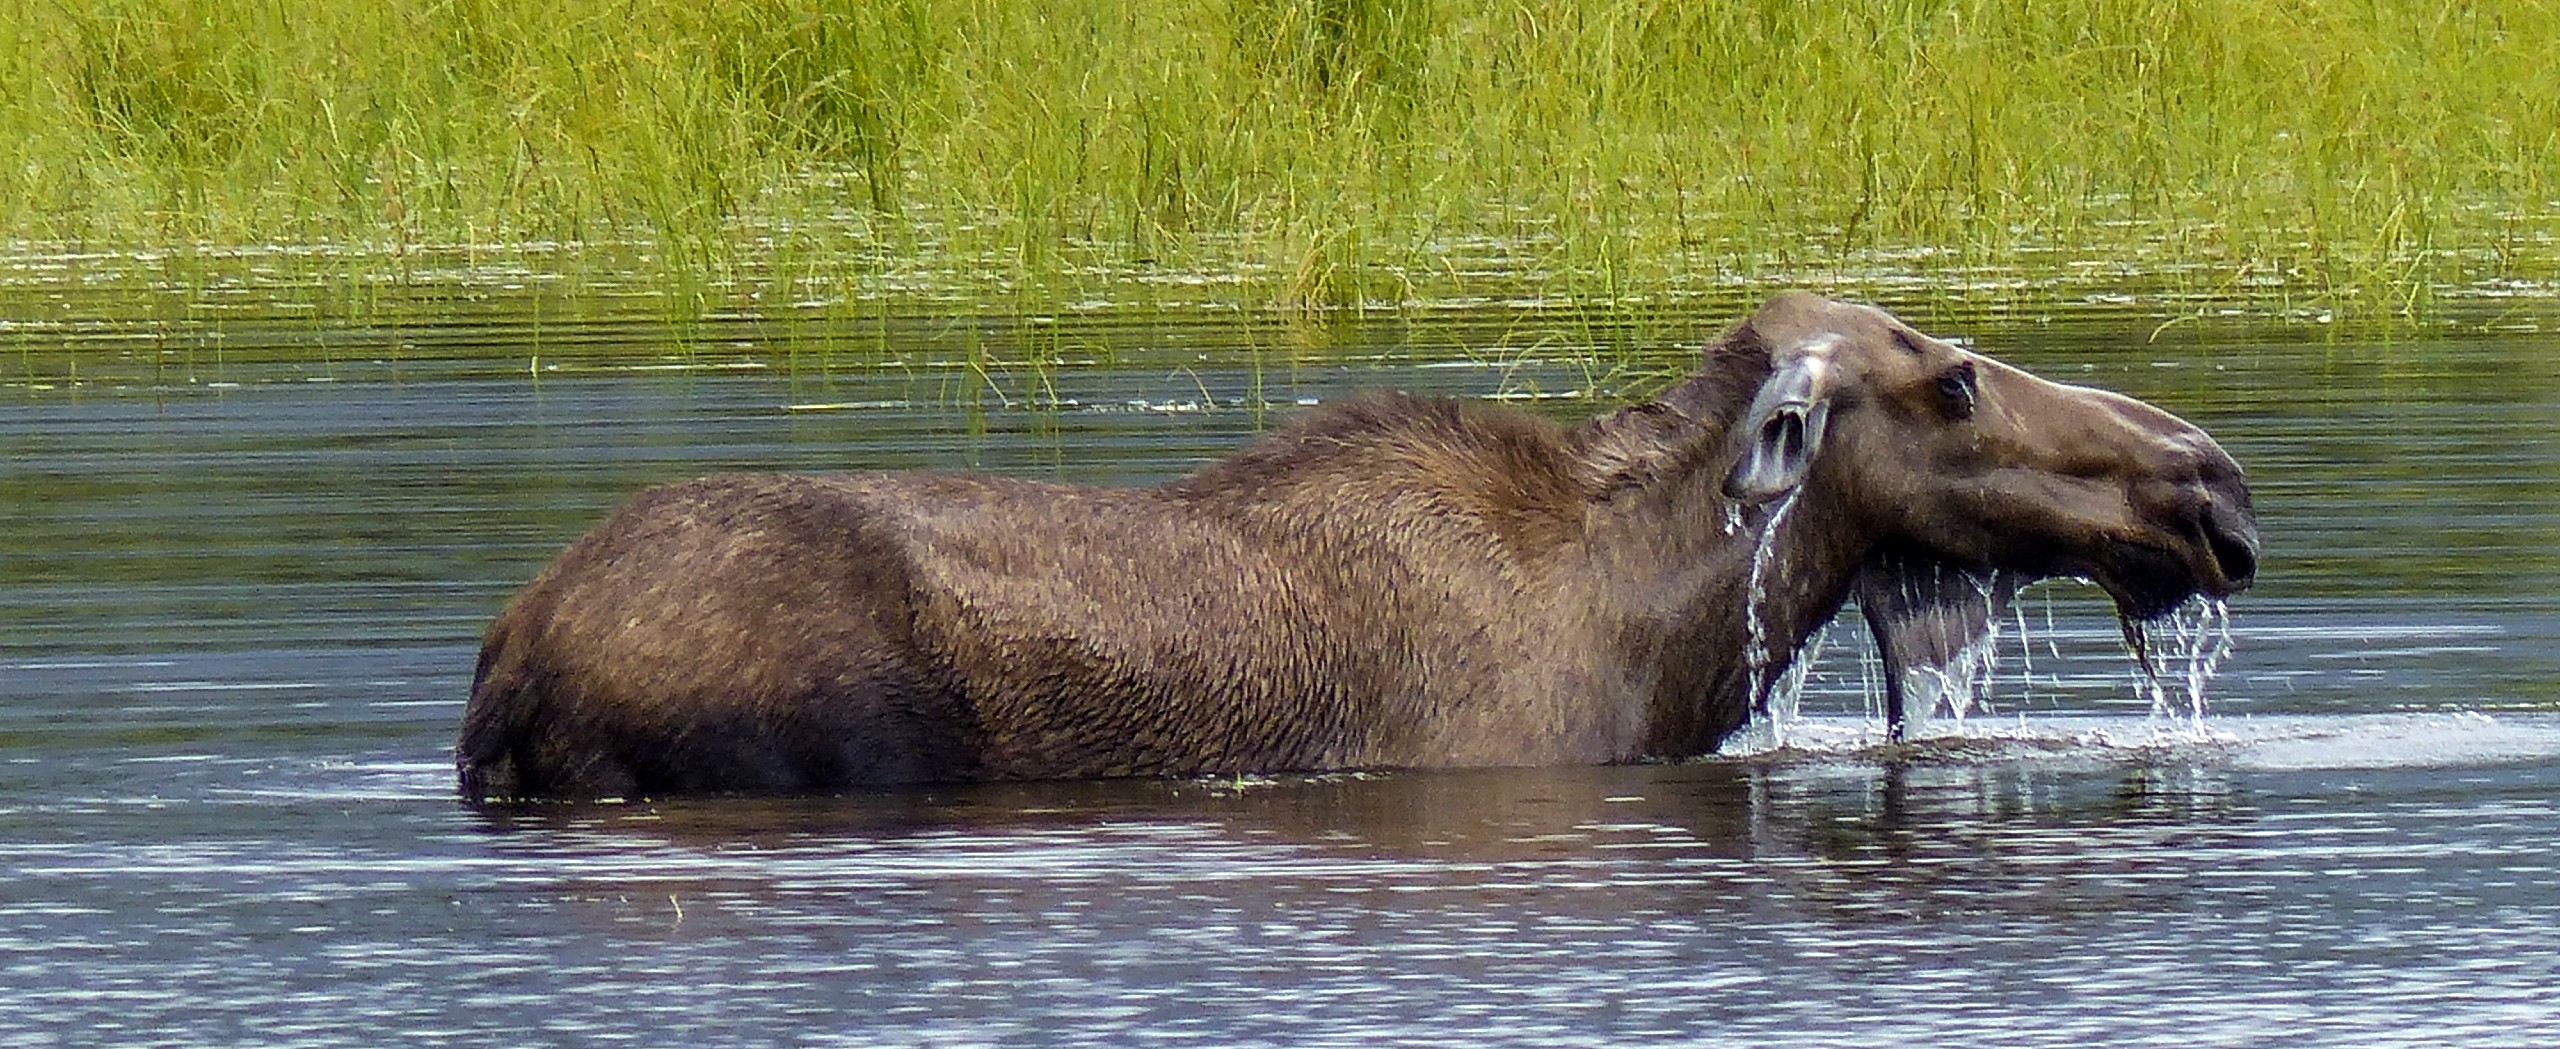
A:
[239,604]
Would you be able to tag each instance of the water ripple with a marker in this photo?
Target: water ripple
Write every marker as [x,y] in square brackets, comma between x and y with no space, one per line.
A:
[237,617]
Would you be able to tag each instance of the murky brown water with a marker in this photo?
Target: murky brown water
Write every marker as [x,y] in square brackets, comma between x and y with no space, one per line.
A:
[238,610]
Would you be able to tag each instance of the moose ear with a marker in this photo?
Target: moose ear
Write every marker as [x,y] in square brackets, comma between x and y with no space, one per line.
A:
[1782,431]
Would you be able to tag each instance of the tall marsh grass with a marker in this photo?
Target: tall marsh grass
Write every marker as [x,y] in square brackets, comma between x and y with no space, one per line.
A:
[2349,155]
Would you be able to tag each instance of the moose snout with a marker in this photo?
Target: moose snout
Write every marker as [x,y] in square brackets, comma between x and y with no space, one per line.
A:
[2211,504]
[2194,533]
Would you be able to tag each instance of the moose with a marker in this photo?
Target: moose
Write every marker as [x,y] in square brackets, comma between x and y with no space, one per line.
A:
[1386,582]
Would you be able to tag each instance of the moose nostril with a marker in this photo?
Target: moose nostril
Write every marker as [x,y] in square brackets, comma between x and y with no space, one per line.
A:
[2235,549]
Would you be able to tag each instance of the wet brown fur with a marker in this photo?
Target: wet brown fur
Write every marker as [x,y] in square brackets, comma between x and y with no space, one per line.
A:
[1345,593]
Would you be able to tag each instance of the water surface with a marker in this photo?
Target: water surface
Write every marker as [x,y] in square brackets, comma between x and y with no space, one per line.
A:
[238,611]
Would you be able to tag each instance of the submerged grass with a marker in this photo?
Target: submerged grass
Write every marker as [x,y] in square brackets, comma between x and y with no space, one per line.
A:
[2343,157]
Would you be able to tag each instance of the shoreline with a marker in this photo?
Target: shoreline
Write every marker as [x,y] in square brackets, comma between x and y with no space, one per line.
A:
[2281,157]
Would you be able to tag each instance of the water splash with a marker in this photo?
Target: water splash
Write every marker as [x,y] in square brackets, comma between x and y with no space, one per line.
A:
[2192,642]
[1937,630]
[1785,697]
[1952,689]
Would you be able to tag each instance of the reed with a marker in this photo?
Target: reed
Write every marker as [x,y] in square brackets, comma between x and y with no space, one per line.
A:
[2300,155]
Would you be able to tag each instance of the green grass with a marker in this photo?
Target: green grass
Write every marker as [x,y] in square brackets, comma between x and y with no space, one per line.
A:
[2304,156]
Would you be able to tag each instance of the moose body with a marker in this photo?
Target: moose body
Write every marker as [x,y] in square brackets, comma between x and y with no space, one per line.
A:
[1389,582]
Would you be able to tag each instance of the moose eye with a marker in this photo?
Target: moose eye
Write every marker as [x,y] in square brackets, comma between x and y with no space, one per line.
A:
[1955,386]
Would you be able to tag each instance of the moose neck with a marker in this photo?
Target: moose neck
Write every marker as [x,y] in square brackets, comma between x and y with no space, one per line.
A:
[1715,598]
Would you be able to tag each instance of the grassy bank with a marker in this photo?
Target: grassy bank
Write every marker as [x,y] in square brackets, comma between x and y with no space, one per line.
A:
[2358,158]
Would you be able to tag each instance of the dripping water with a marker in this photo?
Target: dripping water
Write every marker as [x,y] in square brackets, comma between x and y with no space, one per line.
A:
[2026,652]
[1786,695]
[1955,687]
[1755,652]
[2189,643]
[1871,671]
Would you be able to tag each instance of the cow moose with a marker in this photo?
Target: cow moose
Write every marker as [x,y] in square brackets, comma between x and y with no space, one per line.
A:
[1387,582]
